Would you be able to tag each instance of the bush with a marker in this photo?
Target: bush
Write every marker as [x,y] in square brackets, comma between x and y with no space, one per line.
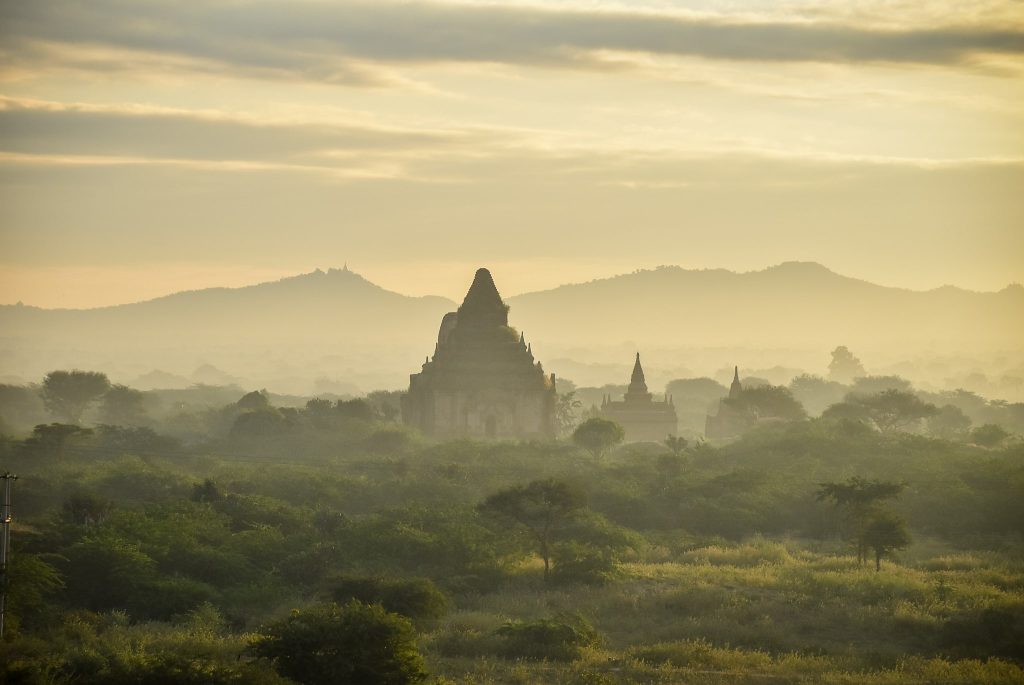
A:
[417,598]
[582,563]
[562,638]
[354,644]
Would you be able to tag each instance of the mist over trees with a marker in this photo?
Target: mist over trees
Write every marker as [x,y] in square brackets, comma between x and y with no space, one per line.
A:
[245,536]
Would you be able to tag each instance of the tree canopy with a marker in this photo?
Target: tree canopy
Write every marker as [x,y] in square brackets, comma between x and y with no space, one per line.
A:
[542,507]
[67,394]
[597,435]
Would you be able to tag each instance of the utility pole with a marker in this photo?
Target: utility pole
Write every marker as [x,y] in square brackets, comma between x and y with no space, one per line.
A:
[5,544]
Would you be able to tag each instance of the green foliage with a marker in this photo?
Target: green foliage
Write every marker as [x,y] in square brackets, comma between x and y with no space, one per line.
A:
[768,402]
[889,410]
[542,507]
[885,533]
[815,393]
[416,598]
[67,394]
[32,580]
[870,527]
[353,644]
[123,406]
[563,637]
[989,435]
[567,409]
[676,445]
[107,649]
[949,423]
[51,440]
[598,435]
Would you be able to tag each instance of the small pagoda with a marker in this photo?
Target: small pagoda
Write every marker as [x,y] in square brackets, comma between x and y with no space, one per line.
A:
[731,419]
[640,415]
[482,380]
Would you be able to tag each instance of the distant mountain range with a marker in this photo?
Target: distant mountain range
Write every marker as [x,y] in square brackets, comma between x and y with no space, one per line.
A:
[337,325]
[794,304]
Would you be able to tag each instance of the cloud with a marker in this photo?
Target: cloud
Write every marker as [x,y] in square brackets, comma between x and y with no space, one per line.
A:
[44,133]
[356,43]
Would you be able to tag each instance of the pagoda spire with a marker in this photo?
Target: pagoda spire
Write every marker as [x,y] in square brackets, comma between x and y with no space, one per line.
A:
[637,383]
[483,304]
[735,389]
[637,391]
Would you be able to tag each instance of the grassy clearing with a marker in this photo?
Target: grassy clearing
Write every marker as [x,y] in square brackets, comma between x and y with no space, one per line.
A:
[762,611]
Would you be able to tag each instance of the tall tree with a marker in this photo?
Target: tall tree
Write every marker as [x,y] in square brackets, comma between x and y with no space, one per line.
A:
[861,499]
[67,394]
[567,409]
[844,367]
[542,507]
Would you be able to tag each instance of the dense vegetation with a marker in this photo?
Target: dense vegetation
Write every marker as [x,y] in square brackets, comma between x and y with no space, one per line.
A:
[245,542]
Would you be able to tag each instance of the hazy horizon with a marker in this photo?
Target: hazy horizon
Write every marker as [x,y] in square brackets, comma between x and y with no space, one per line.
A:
[524,281]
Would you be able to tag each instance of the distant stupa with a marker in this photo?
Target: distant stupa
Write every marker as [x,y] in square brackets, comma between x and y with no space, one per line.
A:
[730,421]
[482,380]
[639,414]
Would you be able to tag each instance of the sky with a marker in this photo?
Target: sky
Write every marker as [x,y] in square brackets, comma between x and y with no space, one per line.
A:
[148,147]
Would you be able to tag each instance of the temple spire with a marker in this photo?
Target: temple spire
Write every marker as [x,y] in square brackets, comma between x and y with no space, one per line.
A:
[483,304]
[637,383]
[735,389]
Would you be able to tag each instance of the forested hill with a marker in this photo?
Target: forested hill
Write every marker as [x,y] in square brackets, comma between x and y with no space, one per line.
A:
[792,305]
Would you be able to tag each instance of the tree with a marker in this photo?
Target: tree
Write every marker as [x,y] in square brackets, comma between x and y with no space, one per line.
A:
[989,435]
[861,498]
[542,507]
[353,644]
[885,532]
[844,367]
[85,509]
[816,393]
[949,422]
[676,445]
[257,400]
[768,401]
[52,438]
[123,406]
[598,435]
[567,411]
[872,385]
[67,394]
[889,410]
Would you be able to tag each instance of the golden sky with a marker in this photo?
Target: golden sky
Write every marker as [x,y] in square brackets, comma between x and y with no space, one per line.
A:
[149,147]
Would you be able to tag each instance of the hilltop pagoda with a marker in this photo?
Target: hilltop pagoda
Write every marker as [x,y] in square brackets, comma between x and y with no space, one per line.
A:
[482,380]
[639,414]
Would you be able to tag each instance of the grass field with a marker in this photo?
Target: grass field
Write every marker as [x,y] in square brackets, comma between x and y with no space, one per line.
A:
[763,611]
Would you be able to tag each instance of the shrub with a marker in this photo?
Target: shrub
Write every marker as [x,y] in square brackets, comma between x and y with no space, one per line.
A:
[562,638]
[582,563]
[417,598]
[354,644]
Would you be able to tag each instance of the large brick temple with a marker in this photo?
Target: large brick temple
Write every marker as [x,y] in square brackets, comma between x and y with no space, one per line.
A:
[482,380]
